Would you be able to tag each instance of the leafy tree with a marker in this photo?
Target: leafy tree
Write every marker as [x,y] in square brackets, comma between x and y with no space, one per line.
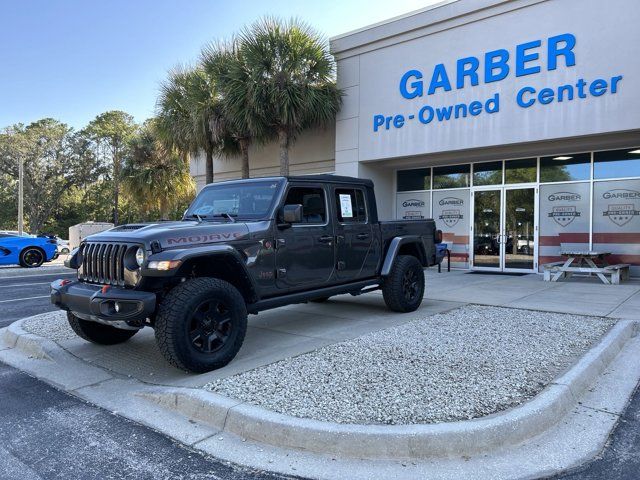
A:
[8,202]
[155,177]
[111,132]
[55,159]
[238,124]
[185,108]
[290,80]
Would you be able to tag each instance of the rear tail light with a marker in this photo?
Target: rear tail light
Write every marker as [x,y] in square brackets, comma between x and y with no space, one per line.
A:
[438,236]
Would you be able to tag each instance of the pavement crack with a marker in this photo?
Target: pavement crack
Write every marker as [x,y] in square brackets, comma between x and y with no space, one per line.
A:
[617,415]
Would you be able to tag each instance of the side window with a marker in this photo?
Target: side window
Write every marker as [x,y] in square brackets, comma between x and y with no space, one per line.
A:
[350,205]
[314,207]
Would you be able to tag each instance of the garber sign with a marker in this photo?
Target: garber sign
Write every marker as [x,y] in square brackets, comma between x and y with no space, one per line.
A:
[495,66]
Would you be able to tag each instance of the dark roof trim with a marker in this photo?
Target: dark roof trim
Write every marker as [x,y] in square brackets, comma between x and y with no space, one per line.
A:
[324,178]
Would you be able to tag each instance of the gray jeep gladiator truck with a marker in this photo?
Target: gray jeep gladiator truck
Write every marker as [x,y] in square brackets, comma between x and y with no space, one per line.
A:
[242,247]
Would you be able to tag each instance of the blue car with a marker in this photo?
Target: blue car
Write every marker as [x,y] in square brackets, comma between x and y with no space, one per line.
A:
[26,251]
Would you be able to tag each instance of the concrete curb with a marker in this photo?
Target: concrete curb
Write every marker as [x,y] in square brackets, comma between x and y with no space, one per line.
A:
[379,442]
[33,272]
[32,345]
[469,437]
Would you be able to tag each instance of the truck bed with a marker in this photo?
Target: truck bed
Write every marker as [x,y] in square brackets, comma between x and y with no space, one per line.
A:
[426,229]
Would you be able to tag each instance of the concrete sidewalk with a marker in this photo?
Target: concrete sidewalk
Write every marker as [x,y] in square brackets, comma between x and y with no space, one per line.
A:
[272,335]
[579,295]
[289,331]
[126,378]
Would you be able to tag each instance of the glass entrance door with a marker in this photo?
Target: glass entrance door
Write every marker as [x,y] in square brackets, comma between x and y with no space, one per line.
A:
[519,228]
[504,229]
[487,229]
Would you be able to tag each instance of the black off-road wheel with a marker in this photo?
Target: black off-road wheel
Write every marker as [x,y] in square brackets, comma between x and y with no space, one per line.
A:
[201,324]
[98,332]
[32,257]
[403,289]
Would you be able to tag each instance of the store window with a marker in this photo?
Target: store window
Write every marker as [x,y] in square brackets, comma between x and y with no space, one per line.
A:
[520,171]
[565,168]
[454,176]
[415,179]
[564,220]
[487,173]
[617,163]
[451,214]
[616,221]
[350,205]
[413,205]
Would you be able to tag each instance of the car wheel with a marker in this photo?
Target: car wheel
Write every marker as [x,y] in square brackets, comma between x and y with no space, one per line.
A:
[403,289]
[64,251]
[99,333]
[201,324]
[32,257]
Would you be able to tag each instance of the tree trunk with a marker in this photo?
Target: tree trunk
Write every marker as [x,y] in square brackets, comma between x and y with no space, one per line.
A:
[244,151]
[116,186]
[209,167]
[283,139]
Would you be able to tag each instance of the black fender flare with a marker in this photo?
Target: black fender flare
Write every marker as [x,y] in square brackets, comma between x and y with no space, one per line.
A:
[394,248]
[209,251]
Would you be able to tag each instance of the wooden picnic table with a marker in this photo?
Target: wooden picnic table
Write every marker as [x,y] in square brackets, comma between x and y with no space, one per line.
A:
[578,261]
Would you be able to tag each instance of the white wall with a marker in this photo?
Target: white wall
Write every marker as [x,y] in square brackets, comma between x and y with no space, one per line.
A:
[372,61]
[313,152]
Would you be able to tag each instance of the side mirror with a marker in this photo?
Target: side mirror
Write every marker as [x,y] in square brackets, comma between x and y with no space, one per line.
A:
[292,213]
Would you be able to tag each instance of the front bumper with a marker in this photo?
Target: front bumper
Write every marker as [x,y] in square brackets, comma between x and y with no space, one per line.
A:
[115,306]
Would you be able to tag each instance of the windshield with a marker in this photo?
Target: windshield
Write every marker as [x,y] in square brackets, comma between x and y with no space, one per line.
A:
[242,200]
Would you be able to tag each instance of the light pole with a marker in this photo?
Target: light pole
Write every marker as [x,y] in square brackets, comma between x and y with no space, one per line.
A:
[20,196]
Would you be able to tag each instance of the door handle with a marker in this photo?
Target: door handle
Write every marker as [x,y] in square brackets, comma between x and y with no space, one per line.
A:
[326,239]
[362,236]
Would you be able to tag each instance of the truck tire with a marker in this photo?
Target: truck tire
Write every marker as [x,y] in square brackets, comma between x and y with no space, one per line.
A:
[97,332]
[32,257]
[403,289]
[201,324]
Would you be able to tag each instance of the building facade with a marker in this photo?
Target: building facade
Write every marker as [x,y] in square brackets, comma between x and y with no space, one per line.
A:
[514,124]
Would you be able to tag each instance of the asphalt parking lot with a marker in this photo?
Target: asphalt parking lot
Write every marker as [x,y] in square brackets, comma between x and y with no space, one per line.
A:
[29,425]
[25,295]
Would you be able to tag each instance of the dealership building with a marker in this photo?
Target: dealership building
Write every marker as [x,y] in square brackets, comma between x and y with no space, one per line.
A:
[514,124]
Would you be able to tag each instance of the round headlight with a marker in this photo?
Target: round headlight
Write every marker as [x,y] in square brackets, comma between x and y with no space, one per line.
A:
[140,256]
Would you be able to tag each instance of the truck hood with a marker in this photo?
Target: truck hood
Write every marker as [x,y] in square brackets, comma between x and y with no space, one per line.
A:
[177,234]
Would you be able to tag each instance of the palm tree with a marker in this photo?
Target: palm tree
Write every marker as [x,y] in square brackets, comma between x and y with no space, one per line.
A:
[239,122]
[186,105]
[289,80]
[155,177]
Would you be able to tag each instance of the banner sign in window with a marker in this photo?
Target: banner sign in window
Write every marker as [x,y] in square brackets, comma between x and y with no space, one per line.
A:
[616,221]
[413,206]
[345,206]
[564,220]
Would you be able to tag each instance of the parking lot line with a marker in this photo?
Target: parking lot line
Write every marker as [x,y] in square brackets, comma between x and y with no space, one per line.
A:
[24,284]
[26,298]
[35,275]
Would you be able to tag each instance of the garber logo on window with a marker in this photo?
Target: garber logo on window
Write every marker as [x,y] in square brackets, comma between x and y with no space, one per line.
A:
[565,197]
[413,203]
[451,201]
[621,213]
[621,193]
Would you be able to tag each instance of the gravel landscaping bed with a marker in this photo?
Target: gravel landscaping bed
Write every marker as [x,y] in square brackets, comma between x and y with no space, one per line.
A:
[52,325]
[463,364]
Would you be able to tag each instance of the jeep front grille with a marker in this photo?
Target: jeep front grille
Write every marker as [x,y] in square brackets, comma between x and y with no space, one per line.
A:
[104,263]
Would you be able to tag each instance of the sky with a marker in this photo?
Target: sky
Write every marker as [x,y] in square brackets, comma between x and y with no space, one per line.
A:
[74,59]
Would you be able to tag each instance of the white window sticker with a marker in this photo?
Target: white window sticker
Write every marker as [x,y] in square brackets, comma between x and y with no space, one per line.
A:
[345,206]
